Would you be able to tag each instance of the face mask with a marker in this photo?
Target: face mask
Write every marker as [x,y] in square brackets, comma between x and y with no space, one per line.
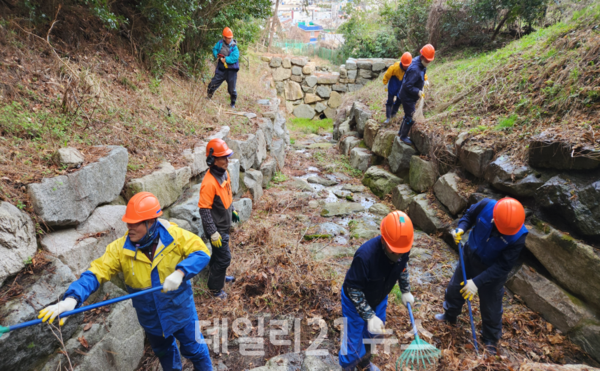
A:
[425,63]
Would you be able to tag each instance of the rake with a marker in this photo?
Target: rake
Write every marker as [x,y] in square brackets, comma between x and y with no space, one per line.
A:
[419,355]
[4,329]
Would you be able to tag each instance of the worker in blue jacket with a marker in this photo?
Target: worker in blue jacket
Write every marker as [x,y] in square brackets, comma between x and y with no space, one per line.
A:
[377,265]
[228,55]
[412,89]
[492,250]
[154,252]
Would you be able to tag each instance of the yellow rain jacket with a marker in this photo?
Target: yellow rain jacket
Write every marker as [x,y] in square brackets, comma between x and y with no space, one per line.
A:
[394,76]
[159,313]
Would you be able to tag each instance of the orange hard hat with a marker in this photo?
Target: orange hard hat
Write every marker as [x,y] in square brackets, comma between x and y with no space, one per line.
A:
[428,52]
[142,206]
[219,147]
[227,32]
[397,231]
[509,216]
[406,59]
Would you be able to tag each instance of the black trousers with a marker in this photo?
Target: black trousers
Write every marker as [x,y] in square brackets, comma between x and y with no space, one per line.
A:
[219,262]
[230,76]
[490,297]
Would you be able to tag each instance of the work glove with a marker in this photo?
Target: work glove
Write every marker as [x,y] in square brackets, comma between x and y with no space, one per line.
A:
[422,94]
[216,240]
[457,235]
[54,310]
[469,290]
[235,216]
[426,82]
[375,326]
[386,87]
[407,297]
[173,281]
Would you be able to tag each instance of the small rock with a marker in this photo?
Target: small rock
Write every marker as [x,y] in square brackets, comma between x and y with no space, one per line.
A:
[380,209]
[301,185]
[268,169]
[310,81]
[312,98]
[293,91]
[335,99]
[68,156]
[370,133]
[348,143]
[324,230]
[322,181]
[380,181]
[320,107]
[275,62]
[340,208]
[313,204]
[304,111]
[355,188]
[167,184]
[364,229]
[282,74]
[323,91]
[17,240]
[296,71]
[243,208]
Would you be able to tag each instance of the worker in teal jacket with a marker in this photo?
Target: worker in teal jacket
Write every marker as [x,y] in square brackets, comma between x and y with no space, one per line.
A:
[154,252]
[228,55]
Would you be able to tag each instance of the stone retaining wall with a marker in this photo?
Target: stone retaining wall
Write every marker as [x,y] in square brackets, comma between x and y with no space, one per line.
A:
[311,91]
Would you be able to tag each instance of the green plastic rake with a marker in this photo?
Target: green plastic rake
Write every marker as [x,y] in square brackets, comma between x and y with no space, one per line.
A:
[420,355]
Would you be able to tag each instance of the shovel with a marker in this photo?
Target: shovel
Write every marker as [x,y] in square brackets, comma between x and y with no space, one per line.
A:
[4,330]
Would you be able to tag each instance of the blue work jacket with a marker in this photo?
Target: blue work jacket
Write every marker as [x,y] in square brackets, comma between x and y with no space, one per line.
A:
[373,273]
[232,60]
[413,81]
[158,313]
[496,251]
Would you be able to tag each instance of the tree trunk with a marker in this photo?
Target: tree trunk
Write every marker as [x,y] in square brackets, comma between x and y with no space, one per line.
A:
[275,16]
[504,19]
[433,22]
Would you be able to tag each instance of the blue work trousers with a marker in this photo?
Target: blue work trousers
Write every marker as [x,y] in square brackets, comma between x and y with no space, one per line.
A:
[392,104]
[353,349]
[192,347]
[490,298]
[230,76]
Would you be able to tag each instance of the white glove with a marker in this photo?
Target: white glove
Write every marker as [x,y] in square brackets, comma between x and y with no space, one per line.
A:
[173,281]
[54,310]
[216,240]
[469,290]
[457,234]
[421,94]
[427,83]
[375,326]
[407,297]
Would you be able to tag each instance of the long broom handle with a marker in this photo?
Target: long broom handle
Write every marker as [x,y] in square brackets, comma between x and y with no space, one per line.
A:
[88,307]
[464,272]
[412,320]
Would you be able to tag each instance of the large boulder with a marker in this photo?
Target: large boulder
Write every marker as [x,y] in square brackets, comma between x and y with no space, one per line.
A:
[253,181]
[360,158]
[115,344]
[348,143]
[325,230]
[364,228]
[447,191]
[341,208]
[402,196]
[233,168]
[335,100]
[380,181]
[69,199]
[196,159]
[244,208]
[516,180]
[424,214]
[475,157]
[78,247]
[166,184]
[575,200]
[244,150]
[575,265]
[304,111]
[268,128]
[400,156]
[293,91]
[221,134]
[261,149]
[370,133]
[382,145]
[281,74]
[187,209]
[17,240]
[359,114]
[548,153]
[46,288]
[558,307]
[422,174]
[268,169]
[421,137]
[278,153]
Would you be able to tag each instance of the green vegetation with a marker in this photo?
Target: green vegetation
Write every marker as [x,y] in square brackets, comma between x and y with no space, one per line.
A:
[308,126]
[506,123]
[279,177]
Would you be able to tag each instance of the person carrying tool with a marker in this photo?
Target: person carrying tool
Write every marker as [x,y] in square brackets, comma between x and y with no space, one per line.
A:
[492,250]
[154,252]
[227,54]
[414,80]
[377,265]
[217,213]
[392,79]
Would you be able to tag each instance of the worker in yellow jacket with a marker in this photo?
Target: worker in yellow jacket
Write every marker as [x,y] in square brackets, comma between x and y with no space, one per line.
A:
[154,252]
[392,79]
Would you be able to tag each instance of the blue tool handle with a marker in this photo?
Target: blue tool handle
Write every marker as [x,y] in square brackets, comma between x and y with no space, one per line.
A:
[464,272]
[89,307]
[412,320]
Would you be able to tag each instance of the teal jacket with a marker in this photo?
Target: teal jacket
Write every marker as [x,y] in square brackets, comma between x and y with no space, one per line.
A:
[232,59]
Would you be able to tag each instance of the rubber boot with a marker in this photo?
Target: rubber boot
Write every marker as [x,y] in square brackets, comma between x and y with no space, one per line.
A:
[221,295]
[492,348]
[443,318]
[404,129]
[388,114]
[229,279]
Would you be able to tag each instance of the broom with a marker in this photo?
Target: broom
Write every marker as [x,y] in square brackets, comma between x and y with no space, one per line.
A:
[419,355]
